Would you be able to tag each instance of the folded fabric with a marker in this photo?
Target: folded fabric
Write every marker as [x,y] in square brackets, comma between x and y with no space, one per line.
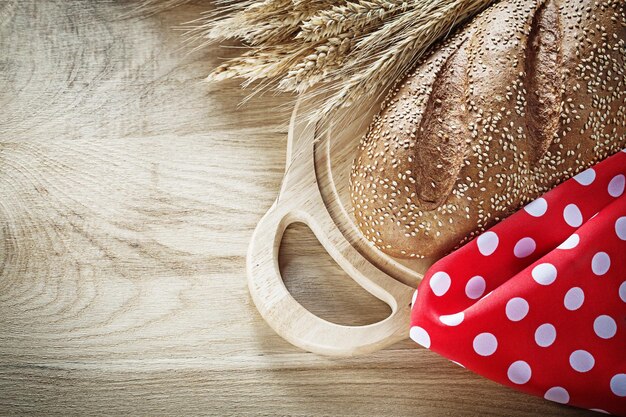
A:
[538,302]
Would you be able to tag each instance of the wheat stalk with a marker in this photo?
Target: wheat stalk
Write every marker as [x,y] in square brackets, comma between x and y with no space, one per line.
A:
[334,51]
[334,33]
[350,17]
[416,32]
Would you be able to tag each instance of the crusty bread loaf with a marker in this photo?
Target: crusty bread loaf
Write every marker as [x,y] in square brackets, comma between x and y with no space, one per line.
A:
[528,94]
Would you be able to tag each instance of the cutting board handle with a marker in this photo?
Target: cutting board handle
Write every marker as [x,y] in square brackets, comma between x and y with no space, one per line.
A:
[298,325]
[300,200]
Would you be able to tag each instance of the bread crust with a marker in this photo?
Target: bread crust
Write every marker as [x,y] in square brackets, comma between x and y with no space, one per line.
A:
[528,94]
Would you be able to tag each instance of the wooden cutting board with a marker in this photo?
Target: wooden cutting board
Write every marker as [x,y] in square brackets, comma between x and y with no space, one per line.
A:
[315,191]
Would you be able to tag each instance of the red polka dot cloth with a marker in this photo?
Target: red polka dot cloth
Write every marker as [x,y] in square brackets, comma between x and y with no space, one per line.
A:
[538,302]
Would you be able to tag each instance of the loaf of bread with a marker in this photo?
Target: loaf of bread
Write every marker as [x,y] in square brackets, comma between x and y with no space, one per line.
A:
[525,96]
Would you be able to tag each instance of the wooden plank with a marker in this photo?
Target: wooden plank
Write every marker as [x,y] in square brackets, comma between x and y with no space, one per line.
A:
[129,195]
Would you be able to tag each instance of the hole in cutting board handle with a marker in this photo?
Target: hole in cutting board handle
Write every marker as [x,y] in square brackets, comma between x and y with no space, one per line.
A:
[320,285]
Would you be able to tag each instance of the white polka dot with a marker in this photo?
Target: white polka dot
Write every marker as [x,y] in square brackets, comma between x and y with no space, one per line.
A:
[600,263]
[605,327]
[516,309]
[544,274]
[616,186]
[537,208]
[519,372]
[458,363]
[620,227]
[485,344]
[487,243]
[413,298]
[574,298]
[524,247]
[618,385]
[475,287]
[622,291]
[599,410]
[452,319]
[570,243]
[572,215]
[586,177]
[440,283]
[581,360]
[545,335]
[420,336]
[557,394]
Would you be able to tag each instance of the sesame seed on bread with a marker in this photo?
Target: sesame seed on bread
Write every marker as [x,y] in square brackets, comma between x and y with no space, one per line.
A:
[525,96]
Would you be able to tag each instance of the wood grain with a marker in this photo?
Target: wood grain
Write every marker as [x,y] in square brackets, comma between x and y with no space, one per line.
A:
[129,194]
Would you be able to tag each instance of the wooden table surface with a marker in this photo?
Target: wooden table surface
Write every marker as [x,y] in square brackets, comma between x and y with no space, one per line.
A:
[128,194]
